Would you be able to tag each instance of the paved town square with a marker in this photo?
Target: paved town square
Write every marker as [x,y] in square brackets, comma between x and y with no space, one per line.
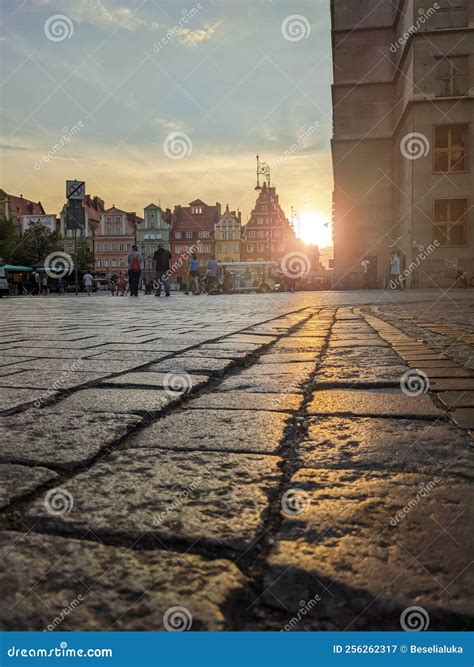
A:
[247,462]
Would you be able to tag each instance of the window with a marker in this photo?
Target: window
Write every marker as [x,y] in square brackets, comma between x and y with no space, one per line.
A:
[249,247]
[205,248]
[451,14]
[196,210]
[450,148]
[117,218]
[260,221]
[452,76]
[118,231]
[236,248]
[203,235]
[450,221]
[260,235]
[277,234]
[108,218]
[189,235]
[264,207]
[260,247]
[98,263]
[219,247]
[251,235]
[108,231]
[177,235]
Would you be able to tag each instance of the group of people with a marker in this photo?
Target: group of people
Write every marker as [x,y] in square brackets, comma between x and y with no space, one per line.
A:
[397,279]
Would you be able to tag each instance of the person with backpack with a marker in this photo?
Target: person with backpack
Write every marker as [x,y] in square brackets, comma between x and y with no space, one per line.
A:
[134,270]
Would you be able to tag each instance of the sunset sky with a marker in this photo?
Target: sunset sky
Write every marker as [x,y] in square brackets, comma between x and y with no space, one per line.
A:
[236,78]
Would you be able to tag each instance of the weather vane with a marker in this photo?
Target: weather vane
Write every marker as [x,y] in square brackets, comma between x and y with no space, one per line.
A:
[263,169]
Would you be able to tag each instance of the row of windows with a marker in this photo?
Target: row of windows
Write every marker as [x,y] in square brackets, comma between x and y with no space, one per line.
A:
[110,263]
[113,247]
[203,248]
[228,248]
[275,233]
[230,236]
[113,218]
[110,231]
[191,235]
[260,247]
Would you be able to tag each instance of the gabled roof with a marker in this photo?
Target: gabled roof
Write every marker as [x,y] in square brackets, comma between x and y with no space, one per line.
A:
[152,206]
[20,206]
[197,202]
[114,209]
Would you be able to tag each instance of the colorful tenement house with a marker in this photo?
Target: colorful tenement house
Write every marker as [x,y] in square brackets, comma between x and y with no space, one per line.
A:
[268,235]
[227,233]
[14,208]
[114,239]
[193,230]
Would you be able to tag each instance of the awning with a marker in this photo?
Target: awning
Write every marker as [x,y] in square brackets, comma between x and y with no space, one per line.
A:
[12,267]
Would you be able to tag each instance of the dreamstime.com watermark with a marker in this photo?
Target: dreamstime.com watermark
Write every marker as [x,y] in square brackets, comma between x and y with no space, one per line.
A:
[61,651]
[423,254]
[424,16]
[68,607]
[414,619]
[177,502]
[305,608]
[68,134]
[187,16]
[423,491]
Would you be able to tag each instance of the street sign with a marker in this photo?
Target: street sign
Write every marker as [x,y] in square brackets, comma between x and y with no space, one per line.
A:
[75,189]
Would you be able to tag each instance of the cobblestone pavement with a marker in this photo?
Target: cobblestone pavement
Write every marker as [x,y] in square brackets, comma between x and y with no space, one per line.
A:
[297,462]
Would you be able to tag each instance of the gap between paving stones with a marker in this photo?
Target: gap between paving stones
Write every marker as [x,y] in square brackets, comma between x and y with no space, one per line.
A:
[11,517]
[59,394]
[446,417]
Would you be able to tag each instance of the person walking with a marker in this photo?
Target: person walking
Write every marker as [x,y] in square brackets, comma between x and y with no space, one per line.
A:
[88,281]
[212,268]
[36,283]
[134,270]
[44,285]
[365,264]
[395,277]
[193,275]
[162,265]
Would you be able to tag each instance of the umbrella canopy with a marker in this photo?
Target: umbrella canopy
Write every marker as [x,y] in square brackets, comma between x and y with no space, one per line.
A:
[12,267]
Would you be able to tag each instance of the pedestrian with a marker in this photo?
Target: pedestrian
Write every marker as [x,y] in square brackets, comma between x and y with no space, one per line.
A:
[134,270]
[395,277]
[44,285]
[212,268]
[193,275]
[365,264]
[162,265]
[121,285]
[88,281]
[60,286]
[112,285]
[36,283]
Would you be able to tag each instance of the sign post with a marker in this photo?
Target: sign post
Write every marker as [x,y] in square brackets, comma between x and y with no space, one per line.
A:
[75,214]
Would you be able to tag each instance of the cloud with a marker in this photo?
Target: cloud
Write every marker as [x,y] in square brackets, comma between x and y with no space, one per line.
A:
[190,37]
[15,144]
[95,12]
[170,124]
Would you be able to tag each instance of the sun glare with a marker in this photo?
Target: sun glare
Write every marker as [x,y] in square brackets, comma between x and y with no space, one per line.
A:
[315,227]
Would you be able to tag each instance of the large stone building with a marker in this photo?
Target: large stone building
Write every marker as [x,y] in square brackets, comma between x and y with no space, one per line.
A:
[403,145]
[93,210]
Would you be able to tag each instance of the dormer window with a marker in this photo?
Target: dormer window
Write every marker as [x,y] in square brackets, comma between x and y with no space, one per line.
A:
[196,210]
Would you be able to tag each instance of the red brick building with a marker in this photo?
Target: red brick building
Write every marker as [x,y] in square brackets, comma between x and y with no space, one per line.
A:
[193,226]
[268,235]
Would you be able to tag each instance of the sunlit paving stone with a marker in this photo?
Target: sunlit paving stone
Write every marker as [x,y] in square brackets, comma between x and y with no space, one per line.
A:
[218,498]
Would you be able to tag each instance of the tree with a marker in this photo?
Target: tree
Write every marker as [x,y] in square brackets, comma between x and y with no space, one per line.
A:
[35,245]
[9,240]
